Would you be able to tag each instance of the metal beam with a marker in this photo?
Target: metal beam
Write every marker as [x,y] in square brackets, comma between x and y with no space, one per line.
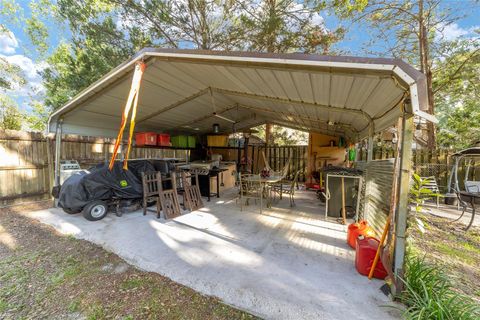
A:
[283,100]
[297,127]
[343,125]
[402,207]
[205,117]
[174,105]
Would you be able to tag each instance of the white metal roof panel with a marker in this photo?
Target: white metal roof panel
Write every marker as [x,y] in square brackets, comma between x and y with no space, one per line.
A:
[324,94]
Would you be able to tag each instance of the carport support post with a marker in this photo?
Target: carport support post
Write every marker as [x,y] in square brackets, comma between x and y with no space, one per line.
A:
[58,148]
[402,204]
[370,144]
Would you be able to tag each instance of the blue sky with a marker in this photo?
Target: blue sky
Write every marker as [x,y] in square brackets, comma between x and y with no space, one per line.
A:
[17,48]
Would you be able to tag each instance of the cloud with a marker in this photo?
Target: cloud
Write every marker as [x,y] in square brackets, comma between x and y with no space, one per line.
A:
[8,42]
[30,70]
[454,31]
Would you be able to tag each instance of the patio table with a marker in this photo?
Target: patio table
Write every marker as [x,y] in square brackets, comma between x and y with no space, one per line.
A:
[264,182]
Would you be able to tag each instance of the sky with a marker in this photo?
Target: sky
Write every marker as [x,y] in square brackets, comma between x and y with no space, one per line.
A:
[17,49]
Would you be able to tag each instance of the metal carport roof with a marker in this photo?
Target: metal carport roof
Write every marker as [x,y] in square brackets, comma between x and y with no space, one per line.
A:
[182,89]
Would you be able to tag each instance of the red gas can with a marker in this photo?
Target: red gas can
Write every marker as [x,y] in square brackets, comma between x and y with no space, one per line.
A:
[146,139]
[365,254]
[357,229]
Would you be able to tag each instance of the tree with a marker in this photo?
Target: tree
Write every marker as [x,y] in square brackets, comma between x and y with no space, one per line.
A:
[456,86]
[282,136]
[286,26]
[107,32]
[10,117]
[37,118]
[410,29]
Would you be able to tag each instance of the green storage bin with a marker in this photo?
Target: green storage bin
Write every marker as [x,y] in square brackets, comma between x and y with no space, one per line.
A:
[192,142]
[179,141]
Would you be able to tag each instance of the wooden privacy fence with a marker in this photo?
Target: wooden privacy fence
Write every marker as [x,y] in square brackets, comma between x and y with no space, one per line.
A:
[26,161]
[427,163]
[277,157]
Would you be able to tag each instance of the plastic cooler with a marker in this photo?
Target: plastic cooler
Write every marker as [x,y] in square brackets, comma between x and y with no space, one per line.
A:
[163,139]
[146,139]
[365,254]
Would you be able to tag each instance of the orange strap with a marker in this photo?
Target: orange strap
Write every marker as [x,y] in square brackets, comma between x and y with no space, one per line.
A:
[132,98]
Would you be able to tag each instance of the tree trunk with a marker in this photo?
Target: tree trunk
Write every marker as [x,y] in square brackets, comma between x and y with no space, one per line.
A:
[426,70]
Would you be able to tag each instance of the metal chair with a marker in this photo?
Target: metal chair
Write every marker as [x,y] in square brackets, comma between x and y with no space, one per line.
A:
[287,187]
[250,189]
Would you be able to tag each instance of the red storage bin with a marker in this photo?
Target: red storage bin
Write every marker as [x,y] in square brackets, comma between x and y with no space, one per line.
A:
[357,229]
[163,139]
[365,254]
[146,139]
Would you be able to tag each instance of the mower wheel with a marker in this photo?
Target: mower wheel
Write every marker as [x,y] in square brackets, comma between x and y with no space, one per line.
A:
[95,210]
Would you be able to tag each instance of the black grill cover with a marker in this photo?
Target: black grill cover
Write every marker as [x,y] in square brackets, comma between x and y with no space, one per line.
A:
[103,184]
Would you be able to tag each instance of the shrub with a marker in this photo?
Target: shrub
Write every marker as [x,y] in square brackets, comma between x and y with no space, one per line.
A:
[428,294]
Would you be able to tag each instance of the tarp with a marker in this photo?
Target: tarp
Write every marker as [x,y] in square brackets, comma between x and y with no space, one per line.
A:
[102,184]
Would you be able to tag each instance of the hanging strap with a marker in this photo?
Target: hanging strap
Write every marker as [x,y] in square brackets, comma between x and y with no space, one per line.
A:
[132,101]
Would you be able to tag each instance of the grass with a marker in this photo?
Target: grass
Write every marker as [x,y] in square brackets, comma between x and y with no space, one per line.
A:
[446,245]
[52,276]
[442,275]
[429,294]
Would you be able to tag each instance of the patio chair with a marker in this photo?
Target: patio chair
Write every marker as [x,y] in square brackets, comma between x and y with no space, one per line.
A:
[151,182]
[249,189]
[169,198]
[287,187]
[192,199]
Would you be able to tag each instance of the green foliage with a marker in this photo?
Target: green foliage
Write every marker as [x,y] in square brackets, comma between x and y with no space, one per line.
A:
[11,75]
[419,193]
[284,136]
[36,120]
[10,117]
[429,294]
[286,26]
[457,92]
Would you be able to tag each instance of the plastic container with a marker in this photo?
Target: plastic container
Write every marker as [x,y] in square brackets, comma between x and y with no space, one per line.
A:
[180,141]
[191,141]
[217,141]
[357,229]
[146,139]
[366,250]
[163,139]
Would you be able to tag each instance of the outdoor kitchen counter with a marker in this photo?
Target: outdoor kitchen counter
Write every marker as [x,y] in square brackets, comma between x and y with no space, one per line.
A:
[226,178]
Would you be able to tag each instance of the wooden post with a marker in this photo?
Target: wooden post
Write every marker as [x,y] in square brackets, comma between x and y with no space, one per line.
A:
[402,207]
[268,134]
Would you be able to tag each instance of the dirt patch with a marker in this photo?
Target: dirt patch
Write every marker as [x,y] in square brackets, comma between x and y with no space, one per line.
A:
[47,275]
[448,246]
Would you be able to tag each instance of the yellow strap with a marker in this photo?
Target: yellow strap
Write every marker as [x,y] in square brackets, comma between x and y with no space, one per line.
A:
[132,97]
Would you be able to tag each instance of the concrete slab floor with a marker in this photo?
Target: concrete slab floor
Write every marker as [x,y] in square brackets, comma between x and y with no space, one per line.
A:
[287,263]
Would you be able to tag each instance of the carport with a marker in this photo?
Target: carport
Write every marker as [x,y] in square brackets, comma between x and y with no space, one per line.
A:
[187,91]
